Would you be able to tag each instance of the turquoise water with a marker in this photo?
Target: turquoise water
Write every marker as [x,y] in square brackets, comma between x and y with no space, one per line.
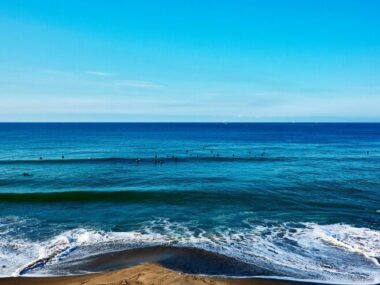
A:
[297,201]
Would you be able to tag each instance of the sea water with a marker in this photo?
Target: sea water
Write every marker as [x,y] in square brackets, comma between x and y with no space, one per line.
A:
[297,201]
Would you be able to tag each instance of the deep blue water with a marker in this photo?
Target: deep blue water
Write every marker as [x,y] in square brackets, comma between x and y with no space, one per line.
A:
[297,200]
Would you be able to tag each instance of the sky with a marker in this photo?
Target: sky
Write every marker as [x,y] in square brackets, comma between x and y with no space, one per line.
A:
[190,61]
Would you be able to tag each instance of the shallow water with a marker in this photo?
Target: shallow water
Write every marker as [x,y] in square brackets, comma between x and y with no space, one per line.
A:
[294,200]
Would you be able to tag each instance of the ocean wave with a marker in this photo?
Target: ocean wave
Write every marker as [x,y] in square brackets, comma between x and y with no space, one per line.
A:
[258,199]
[151,160]
[169,197]
[336,253]
[189,159]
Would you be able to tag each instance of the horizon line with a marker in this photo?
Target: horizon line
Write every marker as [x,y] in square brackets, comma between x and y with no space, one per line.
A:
[188,122]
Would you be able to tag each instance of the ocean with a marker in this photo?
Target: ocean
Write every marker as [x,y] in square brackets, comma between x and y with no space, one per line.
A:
[298,201]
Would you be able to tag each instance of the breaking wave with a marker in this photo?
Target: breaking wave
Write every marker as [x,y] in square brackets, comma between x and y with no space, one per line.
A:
[336,253]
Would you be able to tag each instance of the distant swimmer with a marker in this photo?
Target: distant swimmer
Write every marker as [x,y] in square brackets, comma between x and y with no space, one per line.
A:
[40,157]
[63,157]
[138,160]
[26,174]
[263,154]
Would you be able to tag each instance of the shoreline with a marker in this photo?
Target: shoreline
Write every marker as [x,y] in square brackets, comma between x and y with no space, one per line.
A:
[143,274]
[154,265]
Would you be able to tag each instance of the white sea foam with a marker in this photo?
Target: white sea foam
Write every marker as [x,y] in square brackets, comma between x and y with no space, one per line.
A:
[335,253]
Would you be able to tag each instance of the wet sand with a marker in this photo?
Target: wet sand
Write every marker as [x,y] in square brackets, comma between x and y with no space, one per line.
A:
[144,274]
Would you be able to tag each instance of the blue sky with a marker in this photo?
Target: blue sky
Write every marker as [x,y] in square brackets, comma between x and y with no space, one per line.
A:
[189,60]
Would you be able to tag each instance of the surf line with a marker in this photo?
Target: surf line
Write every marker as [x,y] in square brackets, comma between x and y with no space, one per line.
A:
[63,247]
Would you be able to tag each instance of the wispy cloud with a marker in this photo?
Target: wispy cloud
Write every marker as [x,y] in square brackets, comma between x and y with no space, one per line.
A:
[137,84]
[99,73]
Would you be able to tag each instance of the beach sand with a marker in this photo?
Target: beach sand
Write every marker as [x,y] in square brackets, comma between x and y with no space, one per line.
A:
[144,274]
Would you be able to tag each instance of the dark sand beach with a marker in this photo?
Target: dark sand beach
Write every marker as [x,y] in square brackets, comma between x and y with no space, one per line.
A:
[140,274]
[152,265]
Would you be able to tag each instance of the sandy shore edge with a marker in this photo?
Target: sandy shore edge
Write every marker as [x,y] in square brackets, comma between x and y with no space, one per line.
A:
[144,274]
